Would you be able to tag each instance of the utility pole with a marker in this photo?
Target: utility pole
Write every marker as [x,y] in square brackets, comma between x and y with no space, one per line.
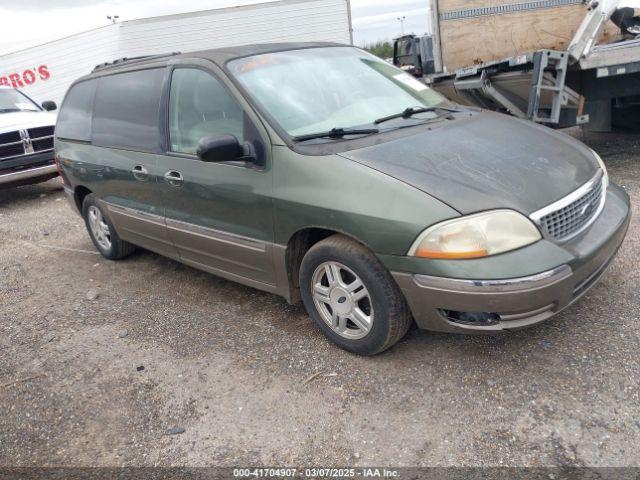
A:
[401,20]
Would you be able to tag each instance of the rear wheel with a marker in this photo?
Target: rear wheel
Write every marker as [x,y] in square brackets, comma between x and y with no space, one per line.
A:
[101,231]
[351,296]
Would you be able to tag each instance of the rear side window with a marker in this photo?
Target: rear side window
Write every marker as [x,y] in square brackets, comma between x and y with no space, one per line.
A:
[74,119]
[127,111]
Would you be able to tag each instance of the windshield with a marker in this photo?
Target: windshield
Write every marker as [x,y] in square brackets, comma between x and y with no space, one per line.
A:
[319,89]
[14,101]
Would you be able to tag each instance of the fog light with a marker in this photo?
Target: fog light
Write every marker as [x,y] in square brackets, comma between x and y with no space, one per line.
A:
[480,319]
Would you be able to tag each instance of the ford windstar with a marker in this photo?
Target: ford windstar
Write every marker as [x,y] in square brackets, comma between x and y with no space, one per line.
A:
[323,174]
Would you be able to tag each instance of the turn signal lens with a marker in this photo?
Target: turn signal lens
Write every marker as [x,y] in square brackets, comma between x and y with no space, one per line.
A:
[476,236]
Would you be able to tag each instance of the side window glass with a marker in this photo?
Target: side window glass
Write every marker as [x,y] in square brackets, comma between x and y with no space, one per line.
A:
[127,111]
[200,106]
[74,119]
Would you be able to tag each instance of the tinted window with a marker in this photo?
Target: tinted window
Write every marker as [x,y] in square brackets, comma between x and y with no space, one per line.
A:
[126,112]
[200,105]
[74,119]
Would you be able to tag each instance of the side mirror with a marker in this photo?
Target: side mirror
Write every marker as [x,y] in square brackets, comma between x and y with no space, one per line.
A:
[224,148]
[49,105]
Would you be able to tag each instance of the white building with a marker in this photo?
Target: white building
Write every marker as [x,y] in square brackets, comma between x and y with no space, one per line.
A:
[45,72]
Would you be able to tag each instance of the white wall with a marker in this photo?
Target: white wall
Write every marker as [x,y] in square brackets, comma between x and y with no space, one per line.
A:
[69,58]
[64,60]
[315,20]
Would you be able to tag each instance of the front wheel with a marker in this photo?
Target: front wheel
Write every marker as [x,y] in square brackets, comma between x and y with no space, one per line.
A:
[352,297]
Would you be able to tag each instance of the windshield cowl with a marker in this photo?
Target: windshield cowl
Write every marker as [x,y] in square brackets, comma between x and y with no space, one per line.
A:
[336,133]
[411,111]
[13,110]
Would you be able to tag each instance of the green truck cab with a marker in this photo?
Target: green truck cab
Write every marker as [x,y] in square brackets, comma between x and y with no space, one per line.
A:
[322,174]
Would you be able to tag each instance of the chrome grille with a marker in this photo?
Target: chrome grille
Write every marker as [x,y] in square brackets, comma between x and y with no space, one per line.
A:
[40,132]
[26,142]
[11,150]
[571,215]
[9,137]
[42,144]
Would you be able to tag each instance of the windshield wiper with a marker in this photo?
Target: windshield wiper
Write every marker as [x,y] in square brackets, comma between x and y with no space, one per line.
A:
[335,133]
[7,110]
[409,112]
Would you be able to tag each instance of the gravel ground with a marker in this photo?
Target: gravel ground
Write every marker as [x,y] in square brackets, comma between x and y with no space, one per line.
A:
[100,360]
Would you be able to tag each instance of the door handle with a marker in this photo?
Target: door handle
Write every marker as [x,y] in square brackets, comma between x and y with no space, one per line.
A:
[140,173]
[174,178]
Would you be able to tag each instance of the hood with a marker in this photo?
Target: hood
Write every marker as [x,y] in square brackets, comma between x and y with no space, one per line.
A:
[484,162]
[12,121]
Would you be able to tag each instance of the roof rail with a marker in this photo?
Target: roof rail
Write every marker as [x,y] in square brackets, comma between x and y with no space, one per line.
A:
[130,60]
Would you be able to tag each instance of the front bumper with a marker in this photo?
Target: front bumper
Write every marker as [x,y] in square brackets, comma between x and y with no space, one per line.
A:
[523,301]
[39,166]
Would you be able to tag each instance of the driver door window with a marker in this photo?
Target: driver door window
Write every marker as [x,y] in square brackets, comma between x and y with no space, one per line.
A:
[199,106]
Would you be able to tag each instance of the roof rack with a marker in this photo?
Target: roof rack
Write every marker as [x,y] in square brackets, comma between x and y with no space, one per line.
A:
[130,60]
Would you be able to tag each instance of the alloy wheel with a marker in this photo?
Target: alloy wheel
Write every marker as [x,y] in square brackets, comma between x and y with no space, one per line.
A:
[99,227]
[342,300]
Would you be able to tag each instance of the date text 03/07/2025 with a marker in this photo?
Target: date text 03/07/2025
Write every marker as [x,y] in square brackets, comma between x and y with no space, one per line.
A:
[315,472]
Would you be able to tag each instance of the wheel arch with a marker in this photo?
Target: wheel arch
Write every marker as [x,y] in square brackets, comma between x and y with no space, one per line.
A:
[79,194]
[298,245]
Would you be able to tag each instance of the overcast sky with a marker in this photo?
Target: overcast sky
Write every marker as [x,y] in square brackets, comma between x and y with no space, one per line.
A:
[24,23]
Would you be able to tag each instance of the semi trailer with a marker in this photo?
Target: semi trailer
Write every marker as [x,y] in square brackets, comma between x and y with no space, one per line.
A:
[557,62]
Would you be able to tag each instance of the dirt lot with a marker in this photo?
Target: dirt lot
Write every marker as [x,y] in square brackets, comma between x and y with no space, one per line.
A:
[230,365]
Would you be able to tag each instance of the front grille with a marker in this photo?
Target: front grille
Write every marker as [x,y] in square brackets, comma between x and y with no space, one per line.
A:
[9,137]
[572,216]
[14,150]
[12,144]
[41,132]
[42,144]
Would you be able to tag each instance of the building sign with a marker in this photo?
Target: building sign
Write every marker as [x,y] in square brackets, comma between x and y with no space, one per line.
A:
[26,77]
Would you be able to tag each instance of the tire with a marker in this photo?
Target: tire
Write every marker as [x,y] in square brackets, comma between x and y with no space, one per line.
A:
[377,315]
[106,240]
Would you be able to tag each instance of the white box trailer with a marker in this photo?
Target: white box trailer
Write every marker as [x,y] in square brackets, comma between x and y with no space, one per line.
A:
[557,62]
[45,72]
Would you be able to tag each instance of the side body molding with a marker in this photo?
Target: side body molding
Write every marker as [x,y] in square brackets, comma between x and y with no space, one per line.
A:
[141,228]
[241,259]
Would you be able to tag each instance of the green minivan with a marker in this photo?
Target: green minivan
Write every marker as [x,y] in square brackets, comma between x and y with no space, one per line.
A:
[323,174]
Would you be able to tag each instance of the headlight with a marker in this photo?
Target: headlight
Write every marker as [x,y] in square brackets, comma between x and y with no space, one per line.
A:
[603,167]
[476,236]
